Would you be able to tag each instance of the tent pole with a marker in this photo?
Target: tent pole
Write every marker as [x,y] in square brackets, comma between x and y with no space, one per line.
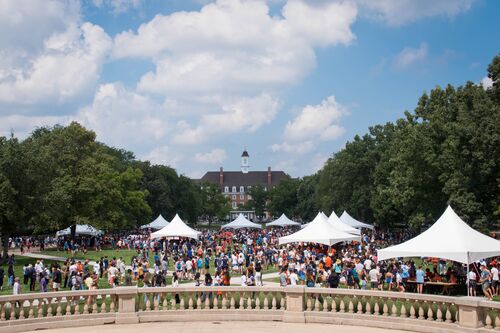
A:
[467,282]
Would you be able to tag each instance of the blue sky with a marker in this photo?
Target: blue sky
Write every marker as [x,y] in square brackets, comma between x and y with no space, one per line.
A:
[191,83]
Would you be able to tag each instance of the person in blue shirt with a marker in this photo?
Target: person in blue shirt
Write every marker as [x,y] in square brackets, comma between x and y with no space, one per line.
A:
[420,279]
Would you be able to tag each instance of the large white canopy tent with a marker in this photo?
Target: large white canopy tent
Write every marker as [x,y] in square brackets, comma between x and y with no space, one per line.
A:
[448,238]
[319,231]
[81,229]
[176,228]
[282,221]
[337,223]
[157,224]
[241,222]
[351,221]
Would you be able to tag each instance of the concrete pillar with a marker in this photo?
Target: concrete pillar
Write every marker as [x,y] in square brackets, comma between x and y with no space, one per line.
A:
[470,313]
[126,305]
[294,312]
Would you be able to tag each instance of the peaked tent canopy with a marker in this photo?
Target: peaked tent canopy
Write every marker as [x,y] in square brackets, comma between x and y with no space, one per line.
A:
[337,223]
[448,238]
[282,221]
[351,221]
[157,224]
[241,222]
[81,229]
[319,231]
[176,228]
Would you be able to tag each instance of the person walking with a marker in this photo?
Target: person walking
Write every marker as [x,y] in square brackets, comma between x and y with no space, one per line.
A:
[420,275]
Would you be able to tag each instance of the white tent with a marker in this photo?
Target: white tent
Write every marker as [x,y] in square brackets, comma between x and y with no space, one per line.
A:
[349,220]
[157,224]
[241,222]
[319,231]
[81,229]
[282,221]
[176,228]
[337,223]
[448,238]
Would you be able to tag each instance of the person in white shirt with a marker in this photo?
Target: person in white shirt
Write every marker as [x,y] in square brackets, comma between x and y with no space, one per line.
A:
[368,264]
[244,279]
[374,278]
[293,278]
[494,279]
[472,281]
[96,268]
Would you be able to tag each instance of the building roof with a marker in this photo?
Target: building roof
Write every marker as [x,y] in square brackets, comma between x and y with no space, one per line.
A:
[237,178]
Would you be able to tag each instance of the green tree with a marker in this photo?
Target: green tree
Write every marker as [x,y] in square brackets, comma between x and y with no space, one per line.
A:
[258,201]
[215,205]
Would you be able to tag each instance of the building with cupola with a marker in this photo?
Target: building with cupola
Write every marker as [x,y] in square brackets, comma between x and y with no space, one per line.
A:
[236,185]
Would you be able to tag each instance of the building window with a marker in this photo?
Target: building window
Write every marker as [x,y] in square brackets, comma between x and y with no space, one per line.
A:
[234,189]
[235,205]
[234,197]
[242,189]
[226,189]
[249,197]
[242,197]
[249,188]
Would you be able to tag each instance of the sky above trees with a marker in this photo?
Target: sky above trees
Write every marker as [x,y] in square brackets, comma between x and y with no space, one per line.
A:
[190,83]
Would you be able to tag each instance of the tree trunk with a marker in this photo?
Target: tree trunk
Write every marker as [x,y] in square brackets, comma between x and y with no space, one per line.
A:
[73,231]
[5,248]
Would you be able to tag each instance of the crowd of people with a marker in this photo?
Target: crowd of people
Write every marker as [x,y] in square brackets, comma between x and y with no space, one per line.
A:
[219,255]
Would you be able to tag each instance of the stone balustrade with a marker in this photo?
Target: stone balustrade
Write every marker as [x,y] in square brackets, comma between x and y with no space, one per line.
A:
[130,305]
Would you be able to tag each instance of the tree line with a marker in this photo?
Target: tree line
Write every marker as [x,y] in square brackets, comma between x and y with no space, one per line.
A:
[404,173]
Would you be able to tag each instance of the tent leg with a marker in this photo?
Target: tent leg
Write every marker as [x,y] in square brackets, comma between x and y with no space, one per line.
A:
[467,278]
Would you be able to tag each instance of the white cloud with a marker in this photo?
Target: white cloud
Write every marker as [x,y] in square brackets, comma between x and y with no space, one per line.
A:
[410,56]
[214,156]
[22,126]
[313,124]
[235,46]
[68,67]
[486,82]
[163,155]
[399,12]
[246,114]
[125,119]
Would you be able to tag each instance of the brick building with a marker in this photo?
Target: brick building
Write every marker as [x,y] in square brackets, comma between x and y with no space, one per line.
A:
[236,184]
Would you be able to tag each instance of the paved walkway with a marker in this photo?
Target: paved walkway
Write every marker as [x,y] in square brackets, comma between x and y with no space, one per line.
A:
[223,327]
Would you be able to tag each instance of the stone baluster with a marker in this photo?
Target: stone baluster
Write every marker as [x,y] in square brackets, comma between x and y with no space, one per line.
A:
[85,308]
[439,312]
[488,322]
[225,301]
[368,307]
[39,312]
[497,322]
[257,302]
[309,303]
[448,314]
[359,307]
[394,309]
[198,303]
[273,302]
[421,315]
[403,309]
[266,301]
[31,311]
[385,308]
[412,311]
[249,301]
[430,312]
[182,304]
[156,302]
[59,307]
[282,302]
[103,305]
[350,306]
[241,301]
[376,308]
[190,302]
[342,304]
[112,304]
[325,304]
[232,302]
[216,302]
[164,305]
[317,303]
[2,312]
[21,310]
[207,302]
[148,303]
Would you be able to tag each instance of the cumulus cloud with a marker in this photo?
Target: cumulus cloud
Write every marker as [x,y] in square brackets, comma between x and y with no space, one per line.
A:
[163,155]
[410,56]
[214,156]
[486,82]
[246,114]
[313,124]
[22,125]
[235,46]
[125,118]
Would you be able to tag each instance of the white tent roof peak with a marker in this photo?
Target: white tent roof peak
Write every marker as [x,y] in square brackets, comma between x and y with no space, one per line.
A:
[349,220]
[337,223]
[176,228]
[158,223]
[241,222]
[319,231]
[81,229]
[282,221]
[448,238]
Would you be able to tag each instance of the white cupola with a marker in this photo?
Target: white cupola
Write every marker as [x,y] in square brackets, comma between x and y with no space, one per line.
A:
[245,163]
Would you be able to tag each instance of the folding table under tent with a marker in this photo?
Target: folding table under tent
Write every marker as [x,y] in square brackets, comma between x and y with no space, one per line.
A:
[241,222]
[81,229]
[282,221]
[448,238]
[319,231]
[176,228]
[351,221]
[157,224]
[337,223]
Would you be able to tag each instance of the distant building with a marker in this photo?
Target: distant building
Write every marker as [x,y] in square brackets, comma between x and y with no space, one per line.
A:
[236,184]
